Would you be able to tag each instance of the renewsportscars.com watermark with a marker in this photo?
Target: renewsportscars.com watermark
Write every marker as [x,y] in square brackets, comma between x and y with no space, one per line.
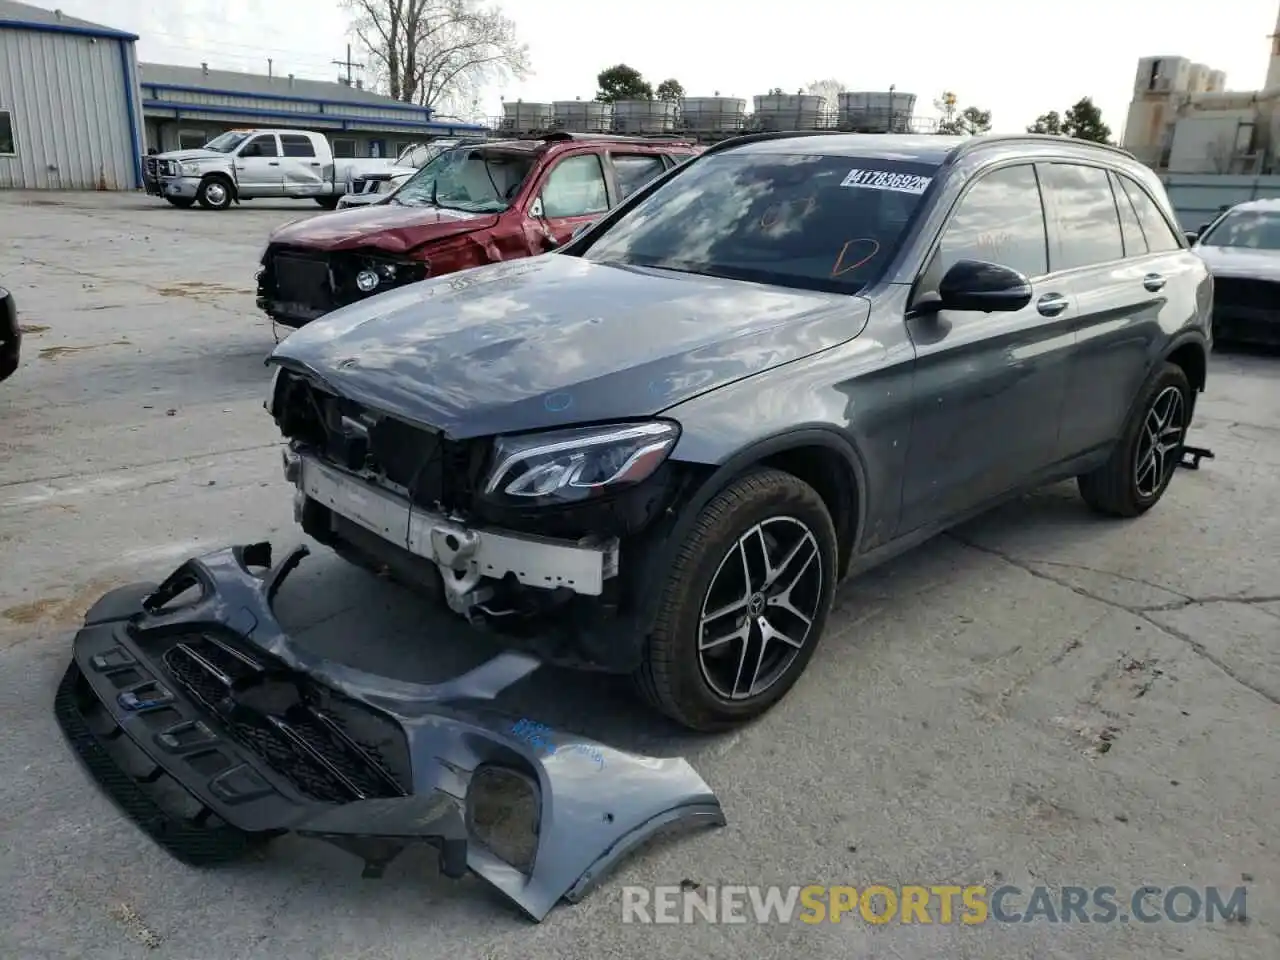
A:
[943,904]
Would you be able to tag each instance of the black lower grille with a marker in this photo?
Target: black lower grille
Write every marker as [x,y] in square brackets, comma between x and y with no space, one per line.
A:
[303,280]
[272,713]
[1246,293]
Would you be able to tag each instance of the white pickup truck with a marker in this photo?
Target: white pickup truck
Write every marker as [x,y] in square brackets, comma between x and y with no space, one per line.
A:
[255,164]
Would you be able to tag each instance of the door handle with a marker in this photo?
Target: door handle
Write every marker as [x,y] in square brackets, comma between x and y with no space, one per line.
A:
[315,163]
[1153,282]
[1051,304]
[274,163]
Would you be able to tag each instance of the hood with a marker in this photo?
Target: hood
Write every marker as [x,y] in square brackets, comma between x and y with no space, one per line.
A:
[189,155]
[1241,262]
[391,227]
[387,173]
[554,340]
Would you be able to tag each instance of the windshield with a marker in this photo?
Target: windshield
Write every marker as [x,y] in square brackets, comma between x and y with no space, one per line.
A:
[226,143]
[817,223]
[1254,229]
[471,179]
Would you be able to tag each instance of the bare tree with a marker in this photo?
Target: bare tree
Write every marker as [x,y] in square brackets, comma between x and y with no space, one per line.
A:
[828,89]
[438,53]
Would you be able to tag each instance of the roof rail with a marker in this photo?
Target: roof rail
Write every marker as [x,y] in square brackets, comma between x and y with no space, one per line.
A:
[559,136]
[763,136]
[976,143]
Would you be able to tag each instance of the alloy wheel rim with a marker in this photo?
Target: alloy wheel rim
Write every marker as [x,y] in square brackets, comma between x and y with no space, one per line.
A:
[1159,443]
[758,611]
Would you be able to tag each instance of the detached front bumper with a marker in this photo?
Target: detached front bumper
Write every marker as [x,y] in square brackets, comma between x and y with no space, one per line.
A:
[213,730]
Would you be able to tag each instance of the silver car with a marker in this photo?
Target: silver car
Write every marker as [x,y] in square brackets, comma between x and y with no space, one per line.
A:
[1242,250]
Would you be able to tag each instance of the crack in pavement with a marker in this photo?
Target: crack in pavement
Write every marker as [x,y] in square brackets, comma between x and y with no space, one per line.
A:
[158,291]
[188,458]
[1143,613]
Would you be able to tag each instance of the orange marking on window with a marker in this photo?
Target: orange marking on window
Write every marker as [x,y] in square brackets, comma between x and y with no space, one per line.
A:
[842,268]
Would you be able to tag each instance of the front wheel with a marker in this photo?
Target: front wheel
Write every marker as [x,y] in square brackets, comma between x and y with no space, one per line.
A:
[329,203]
[1140,468]
[744,605]
[214,194]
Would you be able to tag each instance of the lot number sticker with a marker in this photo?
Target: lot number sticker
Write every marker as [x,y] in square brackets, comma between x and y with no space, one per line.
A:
[885,180]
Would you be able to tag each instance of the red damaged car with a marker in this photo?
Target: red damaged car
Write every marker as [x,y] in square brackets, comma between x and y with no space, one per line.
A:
[469,206]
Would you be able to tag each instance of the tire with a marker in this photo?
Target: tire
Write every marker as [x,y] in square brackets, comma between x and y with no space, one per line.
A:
[329,203]
[693,689]
[1118,488]
[214,194]
[182,203]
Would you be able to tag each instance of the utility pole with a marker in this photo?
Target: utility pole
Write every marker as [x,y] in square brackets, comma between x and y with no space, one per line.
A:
[349,64]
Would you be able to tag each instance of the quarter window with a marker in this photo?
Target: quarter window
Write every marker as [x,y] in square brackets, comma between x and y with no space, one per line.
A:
[1160,236]
[634,171]
[1085,211]
[1000,220]
[296,145]
[575,188]
[1130,229]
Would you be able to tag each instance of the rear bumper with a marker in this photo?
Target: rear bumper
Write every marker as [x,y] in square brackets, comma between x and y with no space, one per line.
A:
[213,730]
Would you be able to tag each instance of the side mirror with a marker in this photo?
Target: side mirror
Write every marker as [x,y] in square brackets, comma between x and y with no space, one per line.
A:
[1191,238]
[535,209]
[978,285]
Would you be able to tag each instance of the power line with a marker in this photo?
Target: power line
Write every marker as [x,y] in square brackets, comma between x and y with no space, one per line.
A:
[348,64]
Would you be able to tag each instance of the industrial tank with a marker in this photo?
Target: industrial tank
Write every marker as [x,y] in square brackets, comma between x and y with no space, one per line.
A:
[583,116]
[712,115]
[523,117]
[877,111]
[790,111]
[644,116]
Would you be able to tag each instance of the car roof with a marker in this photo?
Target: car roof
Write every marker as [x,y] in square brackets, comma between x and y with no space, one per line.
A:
[548,143]
[1266,203]
[935,149]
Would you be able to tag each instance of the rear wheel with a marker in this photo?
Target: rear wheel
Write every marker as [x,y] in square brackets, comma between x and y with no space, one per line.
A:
[1142,465]
[182,203]
[214,194]
[744,605]
[329,203]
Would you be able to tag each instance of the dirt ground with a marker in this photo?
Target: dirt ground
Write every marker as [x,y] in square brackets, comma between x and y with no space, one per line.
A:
[1040,698]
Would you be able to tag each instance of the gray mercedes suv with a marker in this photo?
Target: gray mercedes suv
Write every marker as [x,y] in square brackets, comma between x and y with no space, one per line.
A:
[657,449]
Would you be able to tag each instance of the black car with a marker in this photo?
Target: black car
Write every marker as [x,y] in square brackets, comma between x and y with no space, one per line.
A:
[1242,250]
[658,449]
[10,335]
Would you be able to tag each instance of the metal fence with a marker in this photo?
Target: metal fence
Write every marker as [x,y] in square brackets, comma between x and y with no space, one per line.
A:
[708,129]
[1198,197]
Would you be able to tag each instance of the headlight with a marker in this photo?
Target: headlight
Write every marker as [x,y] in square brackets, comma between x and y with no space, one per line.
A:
[568,465]
[189,169]
[270,405]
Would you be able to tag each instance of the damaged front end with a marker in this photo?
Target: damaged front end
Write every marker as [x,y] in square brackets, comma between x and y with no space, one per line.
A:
[213,730]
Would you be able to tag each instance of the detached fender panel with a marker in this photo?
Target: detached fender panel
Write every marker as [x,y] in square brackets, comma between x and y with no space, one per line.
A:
[265,737]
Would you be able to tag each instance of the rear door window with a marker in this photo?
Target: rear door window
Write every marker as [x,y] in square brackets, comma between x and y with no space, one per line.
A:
[1000,219]
[1135,243]
[1160,236]
[1085,211]
[296,145]
[634,170]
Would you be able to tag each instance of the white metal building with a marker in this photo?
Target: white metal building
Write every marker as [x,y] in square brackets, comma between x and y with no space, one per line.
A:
[70,112]
[186,107]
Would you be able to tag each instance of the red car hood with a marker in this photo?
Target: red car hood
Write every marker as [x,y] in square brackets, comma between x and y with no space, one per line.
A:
[384,226]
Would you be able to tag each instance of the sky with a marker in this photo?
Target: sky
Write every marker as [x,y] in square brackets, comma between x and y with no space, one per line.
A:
[1016,58]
